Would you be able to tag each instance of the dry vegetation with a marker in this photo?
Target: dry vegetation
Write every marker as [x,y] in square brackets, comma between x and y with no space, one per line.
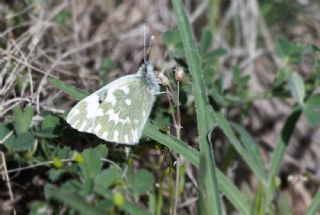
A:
[89,43]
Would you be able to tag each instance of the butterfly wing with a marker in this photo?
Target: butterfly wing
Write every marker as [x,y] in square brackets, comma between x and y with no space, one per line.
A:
[123,113]
[82,115]
[117,112]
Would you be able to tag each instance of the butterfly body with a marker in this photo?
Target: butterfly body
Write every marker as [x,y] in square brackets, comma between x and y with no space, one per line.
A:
[119,111]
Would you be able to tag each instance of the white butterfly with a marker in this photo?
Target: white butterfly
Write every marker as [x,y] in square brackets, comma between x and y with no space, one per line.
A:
[119,111]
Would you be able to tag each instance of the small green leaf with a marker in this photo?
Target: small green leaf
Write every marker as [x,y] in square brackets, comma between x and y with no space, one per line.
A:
[62,153]
[311,110]
[69,89]
[73,200]
[22,120]
[143,181]
[236,74]
[87,186]
[282,76]
[92,161]
[107,177]
[23,142]
[297,88]
[50,121]
[48,126]
[173,42]
[289,51]
[63,17]
[72,185]
[54,174]
[213,55]
[282,48]
[205,42]
[4,131]
[38,208]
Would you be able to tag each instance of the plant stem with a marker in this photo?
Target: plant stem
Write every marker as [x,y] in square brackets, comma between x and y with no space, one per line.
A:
[5,171]
[179,159]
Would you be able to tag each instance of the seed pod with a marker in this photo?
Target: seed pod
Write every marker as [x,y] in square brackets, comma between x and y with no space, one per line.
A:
[178,73]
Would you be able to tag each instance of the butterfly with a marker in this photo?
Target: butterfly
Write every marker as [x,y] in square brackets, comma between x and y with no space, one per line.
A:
[118,112]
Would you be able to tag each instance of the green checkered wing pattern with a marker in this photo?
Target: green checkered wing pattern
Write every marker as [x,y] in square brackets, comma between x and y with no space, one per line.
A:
[118,112]
[124,112]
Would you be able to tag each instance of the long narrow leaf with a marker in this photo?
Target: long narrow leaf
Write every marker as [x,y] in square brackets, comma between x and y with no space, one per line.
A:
[208,184]
[282,143]
[69,89]
[224,125]
[250,146]
[232,193]
[171,142]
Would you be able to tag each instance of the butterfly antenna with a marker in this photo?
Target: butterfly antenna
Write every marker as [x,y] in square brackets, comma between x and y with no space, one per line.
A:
[150,43]
[144,44]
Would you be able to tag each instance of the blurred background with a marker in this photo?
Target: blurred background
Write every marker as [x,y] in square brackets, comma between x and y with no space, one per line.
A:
[89,43]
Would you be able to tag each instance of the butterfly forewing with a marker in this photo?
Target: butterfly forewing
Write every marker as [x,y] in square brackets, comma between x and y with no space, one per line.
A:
[124,111]
[81,116]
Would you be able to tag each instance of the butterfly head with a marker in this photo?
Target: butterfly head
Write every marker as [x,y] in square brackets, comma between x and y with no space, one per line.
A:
[147,72]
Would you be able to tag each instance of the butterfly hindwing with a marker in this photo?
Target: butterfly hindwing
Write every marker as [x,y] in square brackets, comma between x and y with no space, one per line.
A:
[81,116]
[124,111]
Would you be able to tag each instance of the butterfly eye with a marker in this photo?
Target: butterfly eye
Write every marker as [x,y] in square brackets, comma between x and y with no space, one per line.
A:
[101,98]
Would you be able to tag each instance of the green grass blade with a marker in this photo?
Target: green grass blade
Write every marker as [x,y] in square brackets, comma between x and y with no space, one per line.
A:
[173,143]
[69,89]
[233,194]
[250,146]
[282,142]
[315,205]
[226,128]
[208,184]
